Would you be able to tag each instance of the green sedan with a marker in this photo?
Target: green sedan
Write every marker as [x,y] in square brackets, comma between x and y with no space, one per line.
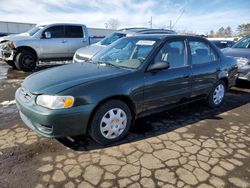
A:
[133,77]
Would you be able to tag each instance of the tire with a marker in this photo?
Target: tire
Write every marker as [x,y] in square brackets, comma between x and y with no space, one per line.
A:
[217,94]
[106,130]
[25,61]
[11,63]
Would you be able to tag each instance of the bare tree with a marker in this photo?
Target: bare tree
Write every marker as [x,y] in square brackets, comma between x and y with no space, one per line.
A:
[228,32]
[220,32]
[243,29]
[211,33]
[112,24]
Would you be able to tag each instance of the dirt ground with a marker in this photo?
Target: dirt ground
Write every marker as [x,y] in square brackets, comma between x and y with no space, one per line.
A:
[190,146]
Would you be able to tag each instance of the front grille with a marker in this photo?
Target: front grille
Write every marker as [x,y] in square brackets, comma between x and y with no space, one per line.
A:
[24,95]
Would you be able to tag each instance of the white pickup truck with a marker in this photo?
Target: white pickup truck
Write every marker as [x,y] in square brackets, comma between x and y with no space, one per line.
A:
[44,42]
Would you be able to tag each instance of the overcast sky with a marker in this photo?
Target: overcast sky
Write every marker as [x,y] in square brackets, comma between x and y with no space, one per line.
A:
[199,15]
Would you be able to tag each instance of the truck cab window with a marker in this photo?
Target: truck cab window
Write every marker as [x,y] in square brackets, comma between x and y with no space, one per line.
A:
[56,31]
[73,32]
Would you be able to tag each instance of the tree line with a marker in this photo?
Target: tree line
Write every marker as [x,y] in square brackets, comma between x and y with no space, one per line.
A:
[241,31]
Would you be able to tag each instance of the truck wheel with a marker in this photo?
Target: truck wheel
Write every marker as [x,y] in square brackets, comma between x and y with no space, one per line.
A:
[110,122]
[25,61]
[12,64]
[216,96]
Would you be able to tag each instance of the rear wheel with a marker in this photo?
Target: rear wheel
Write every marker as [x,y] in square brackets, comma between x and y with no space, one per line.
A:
[110,122]
[216,96]
[25,61]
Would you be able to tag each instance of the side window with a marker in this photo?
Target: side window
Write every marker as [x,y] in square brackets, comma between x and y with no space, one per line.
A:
[201,52]
[73,32]
[174,53]
[56,31]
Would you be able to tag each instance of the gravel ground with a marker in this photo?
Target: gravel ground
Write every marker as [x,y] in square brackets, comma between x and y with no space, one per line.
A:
[190,146]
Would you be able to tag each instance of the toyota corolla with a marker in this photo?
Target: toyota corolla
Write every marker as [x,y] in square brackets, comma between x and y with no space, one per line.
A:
[134,77]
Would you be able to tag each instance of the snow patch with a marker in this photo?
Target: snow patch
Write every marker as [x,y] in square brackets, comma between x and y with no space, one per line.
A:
[7,103]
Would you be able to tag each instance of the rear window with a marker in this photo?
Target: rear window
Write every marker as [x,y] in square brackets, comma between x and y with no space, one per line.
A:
[112,38]
[73,32]
[201,52]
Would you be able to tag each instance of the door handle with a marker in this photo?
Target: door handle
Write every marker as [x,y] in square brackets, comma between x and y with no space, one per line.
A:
[64,41]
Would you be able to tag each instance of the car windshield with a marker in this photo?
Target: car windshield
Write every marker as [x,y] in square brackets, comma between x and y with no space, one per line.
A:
[127,52]
[243,43]
[112,38]
[34,30]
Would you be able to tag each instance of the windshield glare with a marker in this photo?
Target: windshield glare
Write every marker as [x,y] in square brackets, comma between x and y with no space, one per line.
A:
[34,30]
[243,43]
[112,38]
[127,52]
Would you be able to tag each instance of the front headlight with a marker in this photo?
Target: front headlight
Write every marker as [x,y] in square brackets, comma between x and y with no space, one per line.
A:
[11,45]
[55,102]
[241,61]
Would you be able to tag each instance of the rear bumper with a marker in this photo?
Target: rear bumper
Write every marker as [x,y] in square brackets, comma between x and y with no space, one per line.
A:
[55,123]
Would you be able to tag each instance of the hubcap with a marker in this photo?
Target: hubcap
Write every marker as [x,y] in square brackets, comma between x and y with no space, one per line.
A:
[218,94]
[113,123]
[28,61]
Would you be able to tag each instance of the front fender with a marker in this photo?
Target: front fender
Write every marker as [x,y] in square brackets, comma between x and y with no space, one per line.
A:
[32,44]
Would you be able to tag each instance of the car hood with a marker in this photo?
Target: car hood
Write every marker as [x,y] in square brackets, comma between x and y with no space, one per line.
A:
[90,51]
[237,52]
[22,36]
[58,79]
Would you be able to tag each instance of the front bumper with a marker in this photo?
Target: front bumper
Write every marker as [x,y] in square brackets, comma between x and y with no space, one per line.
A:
[54,123]
[7,55]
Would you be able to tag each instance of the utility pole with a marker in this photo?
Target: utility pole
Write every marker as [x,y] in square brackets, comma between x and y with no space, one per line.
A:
[151,22]
[170,24]
[182,12]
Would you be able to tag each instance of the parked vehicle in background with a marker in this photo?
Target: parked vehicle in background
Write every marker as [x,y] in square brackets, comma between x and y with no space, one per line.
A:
[241,52]
[2,34]
[133,77]
[222,43]
[44,42]
[88,52]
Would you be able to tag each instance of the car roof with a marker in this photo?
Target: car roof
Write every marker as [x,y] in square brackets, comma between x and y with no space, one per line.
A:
[58,23]
[142,30]
[164,36]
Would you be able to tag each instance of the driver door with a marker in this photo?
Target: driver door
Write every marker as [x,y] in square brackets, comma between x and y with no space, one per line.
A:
[56,45]
[168,86]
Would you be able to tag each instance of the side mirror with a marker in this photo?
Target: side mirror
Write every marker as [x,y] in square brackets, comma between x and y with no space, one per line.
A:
[159,66]
[47,35]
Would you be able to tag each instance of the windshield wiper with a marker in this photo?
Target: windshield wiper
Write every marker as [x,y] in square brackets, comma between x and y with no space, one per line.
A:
[107,63]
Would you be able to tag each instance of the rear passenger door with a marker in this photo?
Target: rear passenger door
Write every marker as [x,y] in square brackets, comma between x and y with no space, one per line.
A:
[74,37]
[205,66]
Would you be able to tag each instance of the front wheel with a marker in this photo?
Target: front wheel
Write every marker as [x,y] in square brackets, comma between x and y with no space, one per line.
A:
[110,122]
[12,64]
[216,96]
[25,61]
